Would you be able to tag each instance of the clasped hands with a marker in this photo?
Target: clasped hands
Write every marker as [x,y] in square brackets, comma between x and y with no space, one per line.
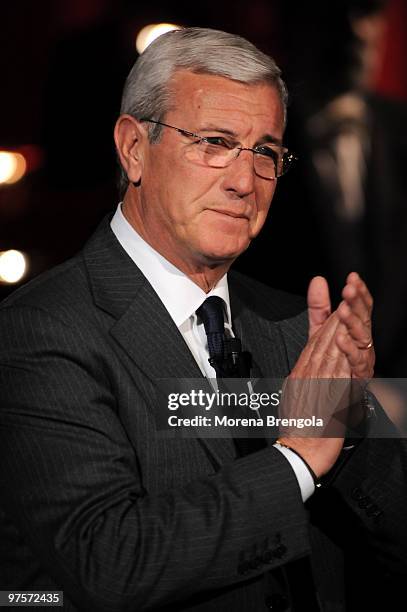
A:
[340,342]
[339,350]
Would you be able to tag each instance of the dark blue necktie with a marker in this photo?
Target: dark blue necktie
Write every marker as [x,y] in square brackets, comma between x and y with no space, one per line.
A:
[211,314]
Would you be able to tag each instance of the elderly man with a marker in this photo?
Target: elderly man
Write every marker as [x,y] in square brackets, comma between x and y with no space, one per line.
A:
[95,501]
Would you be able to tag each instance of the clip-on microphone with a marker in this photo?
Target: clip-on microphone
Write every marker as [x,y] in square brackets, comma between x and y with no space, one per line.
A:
[235,363]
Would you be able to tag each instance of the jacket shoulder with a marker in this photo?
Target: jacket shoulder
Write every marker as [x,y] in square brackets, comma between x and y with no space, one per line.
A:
[272,303]
[59,288]
[65,289]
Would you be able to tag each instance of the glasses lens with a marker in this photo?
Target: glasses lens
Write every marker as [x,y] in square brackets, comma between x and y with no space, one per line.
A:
[215,155]
[265,165]
[270,163]
[209,154]
[274,163]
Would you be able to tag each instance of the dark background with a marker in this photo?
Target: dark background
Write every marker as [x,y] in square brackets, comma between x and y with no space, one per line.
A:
[63,64]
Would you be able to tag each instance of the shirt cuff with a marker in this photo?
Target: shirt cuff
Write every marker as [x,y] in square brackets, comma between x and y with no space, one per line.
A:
[305,480]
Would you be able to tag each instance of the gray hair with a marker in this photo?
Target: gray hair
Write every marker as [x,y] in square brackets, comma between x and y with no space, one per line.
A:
[147,90]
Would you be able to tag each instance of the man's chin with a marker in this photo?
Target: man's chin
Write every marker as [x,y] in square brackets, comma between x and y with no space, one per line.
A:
[223,253]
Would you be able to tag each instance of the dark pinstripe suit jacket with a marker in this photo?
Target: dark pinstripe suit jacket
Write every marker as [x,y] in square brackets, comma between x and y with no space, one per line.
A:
[95,502]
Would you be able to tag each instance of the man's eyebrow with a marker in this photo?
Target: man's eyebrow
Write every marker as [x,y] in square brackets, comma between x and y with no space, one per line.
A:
[264,139]
[269,138]
[214,128]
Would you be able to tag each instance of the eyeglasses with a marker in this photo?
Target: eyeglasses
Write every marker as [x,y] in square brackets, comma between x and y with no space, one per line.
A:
[270,160]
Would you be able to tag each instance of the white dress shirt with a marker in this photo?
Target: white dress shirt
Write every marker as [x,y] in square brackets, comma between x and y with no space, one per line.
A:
[182,297]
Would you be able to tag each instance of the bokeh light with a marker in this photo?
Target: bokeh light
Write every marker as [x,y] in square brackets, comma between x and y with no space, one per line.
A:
[12,167]
[150,32]
[13,266]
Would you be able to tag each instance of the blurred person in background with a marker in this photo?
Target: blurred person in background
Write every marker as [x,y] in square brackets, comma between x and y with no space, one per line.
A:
[345,210]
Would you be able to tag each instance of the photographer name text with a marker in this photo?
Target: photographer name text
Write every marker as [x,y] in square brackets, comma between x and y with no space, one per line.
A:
[225,421]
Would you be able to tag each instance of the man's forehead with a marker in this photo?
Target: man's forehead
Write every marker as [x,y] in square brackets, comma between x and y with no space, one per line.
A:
[207,97]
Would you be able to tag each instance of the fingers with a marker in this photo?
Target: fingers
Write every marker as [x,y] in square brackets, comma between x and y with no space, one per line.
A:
[319,303]
[332,362]
[357,296]
[356,310]
[355,315]
[339,343]
[323,342]
[321,357]
[349,349]
[360,361]
[358,330]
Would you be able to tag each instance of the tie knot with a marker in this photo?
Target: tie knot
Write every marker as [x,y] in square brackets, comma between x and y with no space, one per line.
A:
[211,313]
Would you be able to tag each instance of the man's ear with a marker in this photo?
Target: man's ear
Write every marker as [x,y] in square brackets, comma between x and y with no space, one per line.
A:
[130,138]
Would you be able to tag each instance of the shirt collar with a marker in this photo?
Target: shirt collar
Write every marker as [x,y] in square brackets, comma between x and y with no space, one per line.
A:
[179,294]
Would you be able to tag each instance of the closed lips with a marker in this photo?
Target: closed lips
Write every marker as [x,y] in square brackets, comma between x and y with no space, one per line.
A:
[230,213]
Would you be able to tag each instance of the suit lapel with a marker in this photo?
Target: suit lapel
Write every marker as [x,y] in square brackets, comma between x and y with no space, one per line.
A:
[259,334]
[141,324]
[150,337]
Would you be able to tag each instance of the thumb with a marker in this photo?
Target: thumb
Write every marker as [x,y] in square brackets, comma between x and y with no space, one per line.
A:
[319,303]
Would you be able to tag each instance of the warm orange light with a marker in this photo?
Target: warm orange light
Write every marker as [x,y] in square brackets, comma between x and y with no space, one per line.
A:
[150,32]
[12,167]
[13,266]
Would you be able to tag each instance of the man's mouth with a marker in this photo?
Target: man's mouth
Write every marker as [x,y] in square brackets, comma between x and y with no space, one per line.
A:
[230,213]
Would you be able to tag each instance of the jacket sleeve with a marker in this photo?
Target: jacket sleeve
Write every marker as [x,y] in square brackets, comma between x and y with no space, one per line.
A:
[71,482]
[367,489]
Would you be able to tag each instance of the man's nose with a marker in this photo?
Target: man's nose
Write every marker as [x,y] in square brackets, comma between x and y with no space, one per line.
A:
[240,175]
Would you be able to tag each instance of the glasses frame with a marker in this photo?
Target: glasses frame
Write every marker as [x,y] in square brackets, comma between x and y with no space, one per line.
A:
[292,157]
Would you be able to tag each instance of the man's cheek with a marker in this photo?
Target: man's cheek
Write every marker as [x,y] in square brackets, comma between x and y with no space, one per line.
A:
[258,221]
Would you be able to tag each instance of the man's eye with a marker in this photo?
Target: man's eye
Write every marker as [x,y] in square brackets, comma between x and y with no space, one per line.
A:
[268,151]
[218,141]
